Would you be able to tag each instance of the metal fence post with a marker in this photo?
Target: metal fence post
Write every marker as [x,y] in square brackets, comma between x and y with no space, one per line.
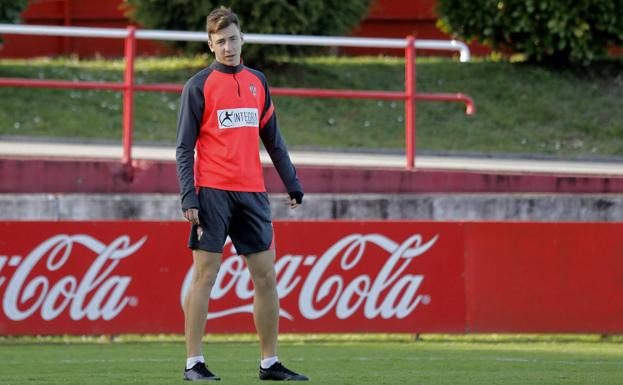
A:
[410,102]
[128,95]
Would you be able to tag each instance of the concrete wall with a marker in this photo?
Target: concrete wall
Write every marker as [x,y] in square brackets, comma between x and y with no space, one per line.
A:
[516,207]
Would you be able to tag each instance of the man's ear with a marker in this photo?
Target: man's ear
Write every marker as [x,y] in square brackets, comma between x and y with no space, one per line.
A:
[210,45]
[241,38]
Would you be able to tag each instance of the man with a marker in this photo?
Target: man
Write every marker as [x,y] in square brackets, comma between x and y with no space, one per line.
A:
[224,110]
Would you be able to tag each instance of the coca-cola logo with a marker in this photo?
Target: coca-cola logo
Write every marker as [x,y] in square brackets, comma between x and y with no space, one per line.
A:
[360,275]
[98,294]
[390,292]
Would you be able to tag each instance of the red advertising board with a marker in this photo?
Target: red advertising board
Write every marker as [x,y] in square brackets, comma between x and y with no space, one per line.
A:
[544,277]
[333,276]
[130,277]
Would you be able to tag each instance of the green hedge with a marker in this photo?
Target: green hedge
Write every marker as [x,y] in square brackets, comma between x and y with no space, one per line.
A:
[302,17]
[551,31]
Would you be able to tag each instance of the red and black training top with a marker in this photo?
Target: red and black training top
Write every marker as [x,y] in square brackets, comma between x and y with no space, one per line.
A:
[224,111]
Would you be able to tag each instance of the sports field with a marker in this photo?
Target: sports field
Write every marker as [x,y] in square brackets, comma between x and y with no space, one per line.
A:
[342,359]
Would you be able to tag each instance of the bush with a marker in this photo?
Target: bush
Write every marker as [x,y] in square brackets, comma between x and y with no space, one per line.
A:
[302,17]
[10,11]
[550,31]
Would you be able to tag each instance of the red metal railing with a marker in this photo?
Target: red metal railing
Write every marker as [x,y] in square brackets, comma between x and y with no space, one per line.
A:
[128,101]
[129,87]
[410,102]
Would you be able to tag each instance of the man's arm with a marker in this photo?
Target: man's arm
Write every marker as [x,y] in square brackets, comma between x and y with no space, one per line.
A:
[276,147]
[188,125]
[278,152]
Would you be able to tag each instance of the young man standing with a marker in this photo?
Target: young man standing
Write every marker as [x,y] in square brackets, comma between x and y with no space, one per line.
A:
[224,110]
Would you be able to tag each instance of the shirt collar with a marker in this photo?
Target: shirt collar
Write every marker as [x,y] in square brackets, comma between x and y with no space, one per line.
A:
[225,68]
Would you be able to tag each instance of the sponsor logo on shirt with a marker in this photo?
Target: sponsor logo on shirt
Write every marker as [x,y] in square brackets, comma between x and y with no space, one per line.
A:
[253,89]
[238,117]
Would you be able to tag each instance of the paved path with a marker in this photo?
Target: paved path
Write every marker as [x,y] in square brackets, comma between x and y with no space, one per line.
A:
[105,151]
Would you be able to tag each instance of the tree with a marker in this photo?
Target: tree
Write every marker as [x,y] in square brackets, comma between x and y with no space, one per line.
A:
[297,17]
[546,31]
[10,11]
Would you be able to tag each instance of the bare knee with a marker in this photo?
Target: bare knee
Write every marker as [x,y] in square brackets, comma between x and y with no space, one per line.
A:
[205,277]
[205,268]
[265,280]
[262,269]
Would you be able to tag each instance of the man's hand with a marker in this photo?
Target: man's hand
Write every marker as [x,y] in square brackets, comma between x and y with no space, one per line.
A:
[296,198]
[192,215]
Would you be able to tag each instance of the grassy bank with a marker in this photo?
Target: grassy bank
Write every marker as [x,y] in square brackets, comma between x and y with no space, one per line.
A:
[521,109]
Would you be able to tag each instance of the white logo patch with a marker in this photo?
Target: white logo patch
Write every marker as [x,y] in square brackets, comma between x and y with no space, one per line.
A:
[238,117]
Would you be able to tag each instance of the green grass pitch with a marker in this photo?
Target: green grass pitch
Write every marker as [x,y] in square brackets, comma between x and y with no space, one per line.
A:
[326,359]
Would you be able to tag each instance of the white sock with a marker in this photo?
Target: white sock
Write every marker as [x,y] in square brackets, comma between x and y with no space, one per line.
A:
[268,362]
[191,361]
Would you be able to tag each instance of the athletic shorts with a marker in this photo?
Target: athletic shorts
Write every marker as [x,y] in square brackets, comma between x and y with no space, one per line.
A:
[244,216]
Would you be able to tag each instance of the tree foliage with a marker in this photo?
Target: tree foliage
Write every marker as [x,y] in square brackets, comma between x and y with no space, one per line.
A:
[10,11]
[296,17]
[551,31]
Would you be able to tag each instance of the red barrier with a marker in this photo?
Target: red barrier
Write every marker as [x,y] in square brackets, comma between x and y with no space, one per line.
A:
[342,276]
[57,175]
[545,277]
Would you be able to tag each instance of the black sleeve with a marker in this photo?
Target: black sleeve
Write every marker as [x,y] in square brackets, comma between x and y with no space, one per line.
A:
[276,147]
[188,124]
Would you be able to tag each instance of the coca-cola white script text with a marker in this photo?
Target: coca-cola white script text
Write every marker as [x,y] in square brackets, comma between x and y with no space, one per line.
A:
[386,293]
[52,298]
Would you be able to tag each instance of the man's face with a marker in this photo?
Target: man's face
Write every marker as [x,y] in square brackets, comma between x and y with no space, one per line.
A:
[227,45]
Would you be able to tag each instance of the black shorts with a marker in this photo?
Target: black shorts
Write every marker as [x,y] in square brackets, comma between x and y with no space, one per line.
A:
[244,216]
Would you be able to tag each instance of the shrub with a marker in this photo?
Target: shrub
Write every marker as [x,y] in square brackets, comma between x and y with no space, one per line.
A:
[300,17]
[551,31]
[10,11]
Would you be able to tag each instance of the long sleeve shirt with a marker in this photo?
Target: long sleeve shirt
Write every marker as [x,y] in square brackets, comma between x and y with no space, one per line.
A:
[224,111]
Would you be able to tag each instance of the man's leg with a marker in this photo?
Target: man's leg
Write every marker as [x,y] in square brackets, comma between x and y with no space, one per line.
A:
[205,269]
[266,302]
[266,316]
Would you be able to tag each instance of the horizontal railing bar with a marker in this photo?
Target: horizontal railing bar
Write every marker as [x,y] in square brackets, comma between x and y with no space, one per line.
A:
[42,83]
[159,87]
[278,91]
[252,38]
[447,97]
[325,93]
[52,30]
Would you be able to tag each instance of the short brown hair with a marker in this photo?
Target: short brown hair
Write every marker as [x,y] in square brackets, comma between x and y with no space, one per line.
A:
[220,18]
